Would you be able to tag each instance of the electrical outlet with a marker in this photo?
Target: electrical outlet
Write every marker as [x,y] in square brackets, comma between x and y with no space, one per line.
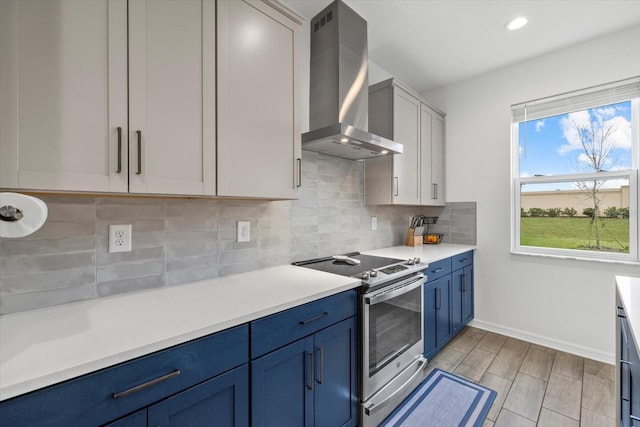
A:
[120,238]
[374,223]
[244,231]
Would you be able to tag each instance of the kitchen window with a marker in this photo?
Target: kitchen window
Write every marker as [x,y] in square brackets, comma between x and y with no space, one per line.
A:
[574,180]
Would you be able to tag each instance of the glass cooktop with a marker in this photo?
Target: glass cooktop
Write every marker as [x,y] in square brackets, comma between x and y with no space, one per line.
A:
[330,265]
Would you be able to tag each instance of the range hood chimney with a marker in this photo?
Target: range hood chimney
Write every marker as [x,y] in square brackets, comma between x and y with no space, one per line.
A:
[339,92]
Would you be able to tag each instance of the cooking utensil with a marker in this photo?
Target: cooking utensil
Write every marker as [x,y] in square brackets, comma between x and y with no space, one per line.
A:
[346,259]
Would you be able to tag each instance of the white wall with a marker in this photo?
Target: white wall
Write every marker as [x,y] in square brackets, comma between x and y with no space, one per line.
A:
[564,304]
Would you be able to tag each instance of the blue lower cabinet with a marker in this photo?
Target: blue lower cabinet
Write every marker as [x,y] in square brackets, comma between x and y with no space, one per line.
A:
[116,392]
[311,382]
[437,315]
[634,383]
[222,402]
[448,300]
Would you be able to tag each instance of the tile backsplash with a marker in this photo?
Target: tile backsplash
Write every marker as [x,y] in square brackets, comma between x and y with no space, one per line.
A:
[182,240]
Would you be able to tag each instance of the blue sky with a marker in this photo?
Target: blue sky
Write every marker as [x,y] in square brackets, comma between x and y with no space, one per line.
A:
[551,146]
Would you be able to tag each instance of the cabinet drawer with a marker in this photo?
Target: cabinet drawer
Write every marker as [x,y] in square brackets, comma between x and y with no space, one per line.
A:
[437,269]
[282,328]
[462,260]
[89,399]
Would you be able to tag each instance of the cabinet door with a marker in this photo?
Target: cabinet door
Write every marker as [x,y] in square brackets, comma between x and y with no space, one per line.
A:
[406,166]
[172,96]
[222,401]
[625,374]
[467,294]
[437,160]
[336,386]
[457,285]
[430,306]
[443,313]
[634,381]
[437,315]
[282,386]
[63,95]
[431,157]
[461,297]
[258,130]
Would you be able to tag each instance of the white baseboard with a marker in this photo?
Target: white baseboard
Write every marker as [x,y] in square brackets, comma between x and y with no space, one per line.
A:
[578,350]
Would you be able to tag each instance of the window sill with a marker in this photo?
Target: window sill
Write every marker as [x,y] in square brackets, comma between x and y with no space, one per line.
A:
[577,258]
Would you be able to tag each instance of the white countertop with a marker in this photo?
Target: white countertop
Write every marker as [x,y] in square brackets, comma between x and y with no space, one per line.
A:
[426,253]
[42,347]
[629,291]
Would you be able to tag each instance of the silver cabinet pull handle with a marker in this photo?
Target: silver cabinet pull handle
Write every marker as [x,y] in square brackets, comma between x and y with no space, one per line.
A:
[634,418]
[119,150]
[434,191]
[397,185]
[626,362]
[139,132]
[438,270]
[146,385]
[311,368]
[299,172]
[314,319]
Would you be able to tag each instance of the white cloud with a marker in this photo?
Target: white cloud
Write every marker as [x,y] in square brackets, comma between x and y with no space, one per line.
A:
[584,160]
[539,125]
[605,118]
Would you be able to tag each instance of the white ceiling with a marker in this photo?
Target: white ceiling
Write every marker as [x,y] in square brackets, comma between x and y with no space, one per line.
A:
[432,43]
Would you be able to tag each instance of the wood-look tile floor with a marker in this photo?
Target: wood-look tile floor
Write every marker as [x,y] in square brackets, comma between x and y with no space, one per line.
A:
[536,386]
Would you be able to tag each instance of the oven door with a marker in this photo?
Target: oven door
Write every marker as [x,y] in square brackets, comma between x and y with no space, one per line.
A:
[392,335]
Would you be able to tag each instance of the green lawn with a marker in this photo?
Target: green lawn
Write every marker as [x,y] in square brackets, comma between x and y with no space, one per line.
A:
[574,233]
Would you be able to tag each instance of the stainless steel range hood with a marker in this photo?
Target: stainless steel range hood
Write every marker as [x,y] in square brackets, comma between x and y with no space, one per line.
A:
[339,92]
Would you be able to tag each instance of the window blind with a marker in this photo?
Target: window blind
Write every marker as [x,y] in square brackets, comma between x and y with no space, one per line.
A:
[611,93]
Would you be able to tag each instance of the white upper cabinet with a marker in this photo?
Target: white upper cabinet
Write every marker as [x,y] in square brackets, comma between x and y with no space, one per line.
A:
[172,97]
[394,113]
[432,157]
[63,95]
[415,177]
[120,96]
[258,124]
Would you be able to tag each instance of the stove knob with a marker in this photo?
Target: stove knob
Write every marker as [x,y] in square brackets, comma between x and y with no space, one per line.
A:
[410,261]
[365,275]
[373,273]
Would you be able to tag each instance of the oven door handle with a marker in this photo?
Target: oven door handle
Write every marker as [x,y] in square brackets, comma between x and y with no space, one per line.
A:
[375,407]
[385,296]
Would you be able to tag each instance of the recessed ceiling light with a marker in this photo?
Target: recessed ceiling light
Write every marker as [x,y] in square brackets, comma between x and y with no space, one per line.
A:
[516,23]
[343,140]
[384,152]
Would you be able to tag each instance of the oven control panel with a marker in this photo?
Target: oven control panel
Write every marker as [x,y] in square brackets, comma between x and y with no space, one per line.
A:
[393,269]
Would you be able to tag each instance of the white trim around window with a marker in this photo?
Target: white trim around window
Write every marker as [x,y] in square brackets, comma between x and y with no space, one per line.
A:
[562,104]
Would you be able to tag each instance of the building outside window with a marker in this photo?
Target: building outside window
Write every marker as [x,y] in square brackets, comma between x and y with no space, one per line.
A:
[575,163]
